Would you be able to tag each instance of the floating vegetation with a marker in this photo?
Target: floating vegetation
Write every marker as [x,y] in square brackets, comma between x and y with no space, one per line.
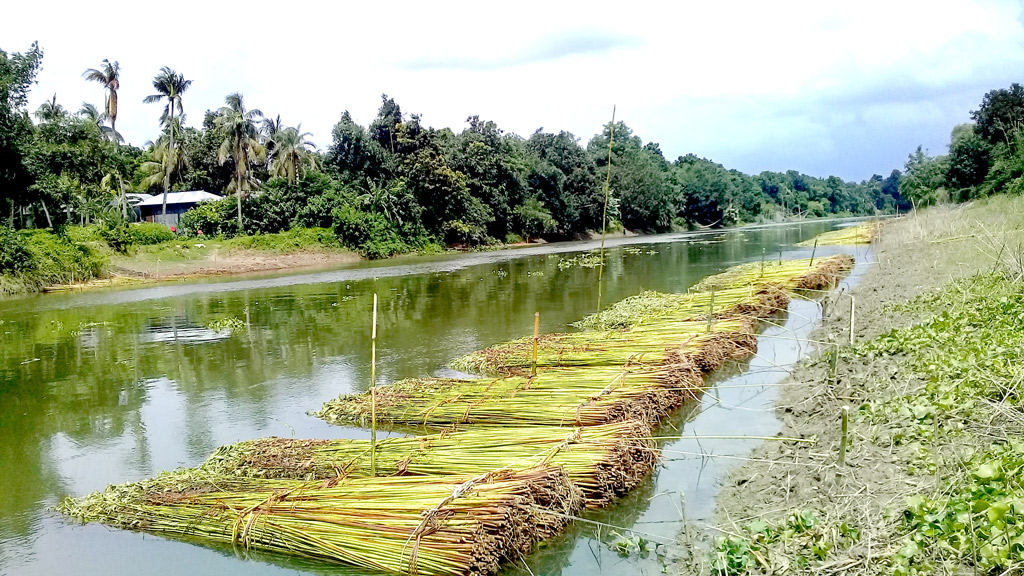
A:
[850,236]
[417,524]
[638,251]
[226,324]
[585,260]
[604,461]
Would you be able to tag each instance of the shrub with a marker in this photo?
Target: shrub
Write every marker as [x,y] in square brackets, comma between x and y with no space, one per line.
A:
[147,233]
[369,233]
[14,254]
[117,236]
[216,218]
[57,260]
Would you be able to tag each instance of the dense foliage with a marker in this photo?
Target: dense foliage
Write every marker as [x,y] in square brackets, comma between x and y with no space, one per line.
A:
[985,157]
[392,186]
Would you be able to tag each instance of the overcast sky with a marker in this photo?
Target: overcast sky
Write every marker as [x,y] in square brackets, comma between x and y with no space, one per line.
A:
[826,88]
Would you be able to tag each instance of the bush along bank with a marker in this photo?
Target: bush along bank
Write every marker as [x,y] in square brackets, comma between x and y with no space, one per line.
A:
[31,260]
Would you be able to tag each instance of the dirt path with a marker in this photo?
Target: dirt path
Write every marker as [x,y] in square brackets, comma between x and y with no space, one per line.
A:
[789,478]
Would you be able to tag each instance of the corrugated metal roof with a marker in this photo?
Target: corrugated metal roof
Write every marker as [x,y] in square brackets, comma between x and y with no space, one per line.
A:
[190,197]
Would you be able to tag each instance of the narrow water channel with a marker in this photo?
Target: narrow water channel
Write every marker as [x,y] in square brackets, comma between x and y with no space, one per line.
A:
[116,385]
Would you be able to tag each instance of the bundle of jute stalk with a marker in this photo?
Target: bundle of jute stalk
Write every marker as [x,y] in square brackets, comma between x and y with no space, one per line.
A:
[555,397]
[647,344]
[790,275]
[604,461]
[853,235]
[415,524]
[757,289]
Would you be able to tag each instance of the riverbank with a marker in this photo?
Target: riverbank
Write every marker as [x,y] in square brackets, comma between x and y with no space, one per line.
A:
[932,388]
[85,259]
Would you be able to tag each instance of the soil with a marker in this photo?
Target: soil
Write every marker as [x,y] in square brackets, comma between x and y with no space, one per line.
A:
[913,255]
[233,262]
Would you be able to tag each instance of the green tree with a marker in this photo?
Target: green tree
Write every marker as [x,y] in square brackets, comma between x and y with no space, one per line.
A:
[969,161]
[241,144]
[169,86]
[924,177]
[563,177]
[110,77]
[354,156]
[162,159]
[92,114]
[292,154]
[638,180]
[1000,114]
[50,111]
[495,167]
[17,73]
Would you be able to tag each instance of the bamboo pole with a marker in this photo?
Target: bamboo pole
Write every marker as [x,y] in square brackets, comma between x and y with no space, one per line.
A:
[844,429]
[853,313]
[711,309]
[811,265]
[373,391]
[536,341]
[604,215]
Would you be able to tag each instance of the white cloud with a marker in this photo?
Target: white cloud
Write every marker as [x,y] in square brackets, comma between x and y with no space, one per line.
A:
[821,87]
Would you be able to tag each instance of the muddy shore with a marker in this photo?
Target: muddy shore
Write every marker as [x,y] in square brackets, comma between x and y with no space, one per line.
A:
[785,480]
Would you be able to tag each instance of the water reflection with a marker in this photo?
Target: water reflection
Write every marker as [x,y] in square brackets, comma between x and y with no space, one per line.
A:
[103,387]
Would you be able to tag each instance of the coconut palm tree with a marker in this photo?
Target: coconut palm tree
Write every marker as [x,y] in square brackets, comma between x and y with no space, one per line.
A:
[110,77]
[169,85]
[90,113]
[49,111]
[241,143]
[163,160]
[292,153]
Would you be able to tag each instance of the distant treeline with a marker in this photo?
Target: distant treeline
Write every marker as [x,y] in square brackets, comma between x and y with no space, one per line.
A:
[393,186]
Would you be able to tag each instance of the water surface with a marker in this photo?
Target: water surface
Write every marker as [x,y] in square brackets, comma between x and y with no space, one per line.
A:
[115,385]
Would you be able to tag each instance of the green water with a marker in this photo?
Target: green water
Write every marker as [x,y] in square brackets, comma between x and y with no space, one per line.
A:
[107,386]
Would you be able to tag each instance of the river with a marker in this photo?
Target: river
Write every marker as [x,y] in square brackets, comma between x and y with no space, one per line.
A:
[110,385]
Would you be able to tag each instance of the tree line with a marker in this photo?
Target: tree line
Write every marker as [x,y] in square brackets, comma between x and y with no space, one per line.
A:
[985,156]
[392,186]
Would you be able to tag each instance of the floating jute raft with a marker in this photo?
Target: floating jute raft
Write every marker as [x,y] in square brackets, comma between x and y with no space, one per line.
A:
[648,344]
[603,461]
[564,397]
[415,524]
[851,236]
[579,388]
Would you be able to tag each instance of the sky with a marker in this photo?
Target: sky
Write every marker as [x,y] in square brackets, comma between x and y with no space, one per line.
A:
[825,88]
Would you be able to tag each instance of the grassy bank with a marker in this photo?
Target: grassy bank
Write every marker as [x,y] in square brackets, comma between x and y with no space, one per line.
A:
[933,478]
[80,256]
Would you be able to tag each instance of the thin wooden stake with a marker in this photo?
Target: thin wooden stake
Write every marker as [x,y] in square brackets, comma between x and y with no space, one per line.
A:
[711,309]
[763,253]
[833,365]
[604,216]
[844,438]
[812,253]
[853,315]
[536,340]
[373,391]
[780,257]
